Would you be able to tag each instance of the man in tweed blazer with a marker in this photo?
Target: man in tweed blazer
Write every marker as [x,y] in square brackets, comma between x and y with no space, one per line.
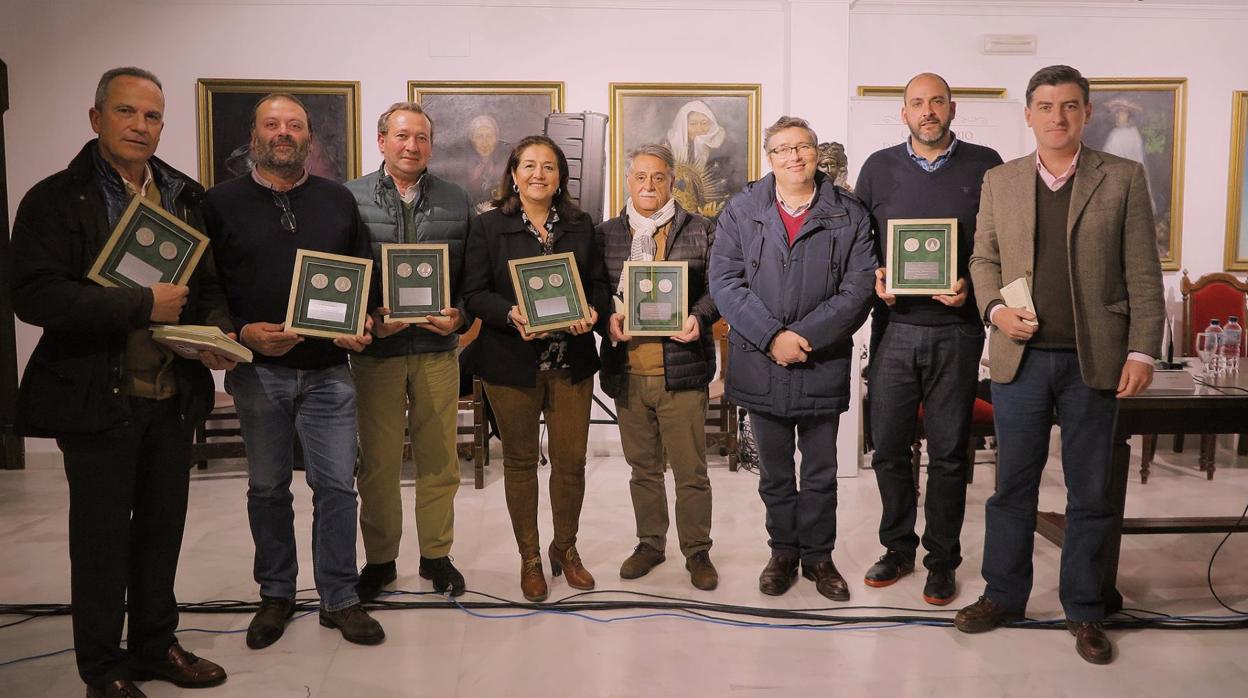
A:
[1077,225]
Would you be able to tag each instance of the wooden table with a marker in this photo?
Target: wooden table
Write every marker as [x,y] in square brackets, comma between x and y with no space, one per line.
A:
[1221,408]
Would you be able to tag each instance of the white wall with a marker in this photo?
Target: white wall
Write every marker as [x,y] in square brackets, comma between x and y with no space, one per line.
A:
[809,55]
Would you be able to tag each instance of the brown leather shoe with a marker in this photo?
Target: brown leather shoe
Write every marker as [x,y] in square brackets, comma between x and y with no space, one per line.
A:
[533,579]
[639,564]
[702,573]
[568,563]
[778,575]
[828,581]
[1091,642]
[121,688]
[181,668]
[984,615]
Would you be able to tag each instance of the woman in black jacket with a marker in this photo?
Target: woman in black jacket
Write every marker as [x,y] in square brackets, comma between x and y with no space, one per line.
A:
[527,375]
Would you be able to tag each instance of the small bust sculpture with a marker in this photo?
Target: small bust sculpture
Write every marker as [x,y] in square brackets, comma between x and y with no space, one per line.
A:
[834,163]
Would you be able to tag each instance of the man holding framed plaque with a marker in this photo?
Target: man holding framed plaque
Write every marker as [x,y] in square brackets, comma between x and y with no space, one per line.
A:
[121,407]
[408,378]
[290,245]
[791,270]
[658,361]
[926,337]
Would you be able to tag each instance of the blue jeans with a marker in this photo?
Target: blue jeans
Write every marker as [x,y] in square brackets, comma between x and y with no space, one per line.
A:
[275,402]
[1049,380]
[938,366]
[800,522]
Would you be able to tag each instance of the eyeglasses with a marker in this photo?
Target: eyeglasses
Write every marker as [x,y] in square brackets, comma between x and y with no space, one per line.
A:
[288,216]
[787,151]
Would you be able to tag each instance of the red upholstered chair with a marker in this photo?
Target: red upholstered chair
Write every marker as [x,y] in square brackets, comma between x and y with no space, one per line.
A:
[981,426]
[1218,295]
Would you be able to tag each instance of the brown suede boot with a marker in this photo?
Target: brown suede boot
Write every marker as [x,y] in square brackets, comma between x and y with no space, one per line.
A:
[533,579]
[568,563]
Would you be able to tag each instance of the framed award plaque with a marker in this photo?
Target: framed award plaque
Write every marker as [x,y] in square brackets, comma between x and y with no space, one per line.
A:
[328,294]
[548,291]
[415,281]
[656,298]
[921,256]
[148,245]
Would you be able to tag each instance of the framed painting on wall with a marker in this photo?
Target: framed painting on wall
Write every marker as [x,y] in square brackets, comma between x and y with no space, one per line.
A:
[1237,187]
[476,124]
[1142,119]
[713,130]
[226,109]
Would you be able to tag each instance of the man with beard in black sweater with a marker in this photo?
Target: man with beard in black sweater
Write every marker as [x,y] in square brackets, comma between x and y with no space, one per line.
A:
[925,350]
[257,222]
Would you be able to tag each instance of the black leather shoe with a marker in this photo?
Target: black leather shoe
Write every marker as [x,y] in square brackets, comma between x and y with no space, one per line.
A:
[827,580]
[639,564]
[121,688]
[702,573]
[355,624]
[443,574]
[1091,642]
[891,566]
[373,578]
[778,575]
[269,622]
[181,668]
[984,615]
[941,587]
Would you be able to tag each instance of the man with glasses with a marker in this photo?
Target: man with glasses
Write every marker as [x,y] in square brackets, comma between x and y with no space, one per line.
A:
[925,349]
[659,383]
[792,270]
[409,376]
[257,222]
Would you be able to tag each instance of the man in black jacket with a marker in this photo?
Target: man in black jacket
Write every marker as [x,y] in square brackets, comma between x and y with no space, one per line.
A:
[659,383]
[121,407]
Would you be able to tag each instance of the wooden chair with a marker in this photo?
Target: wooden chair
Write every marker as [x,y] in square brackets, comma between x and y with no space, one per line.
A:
[721,415]
[477,449]
[1218,295]
[222,426]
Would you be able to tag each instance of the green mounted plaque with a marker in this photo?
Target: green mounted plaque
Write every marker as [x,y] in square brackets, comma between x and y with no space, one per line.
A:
[148,246]
[656,298]
[328,294]
[415,281]
[921,256]
[548,291]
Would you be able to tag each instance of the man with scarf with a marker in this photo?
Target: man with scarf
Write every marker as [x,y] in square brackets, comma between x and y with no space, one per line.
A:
[659,383]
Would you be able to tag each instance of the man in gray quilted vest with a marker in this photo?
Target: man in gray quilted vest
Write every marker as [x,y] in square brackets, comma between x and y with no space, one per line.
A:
[409,376]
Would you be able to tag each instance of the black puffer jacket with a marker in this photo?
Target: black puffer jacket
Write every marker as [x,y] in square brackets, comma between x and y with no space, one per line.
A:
[685,366]
[73,383]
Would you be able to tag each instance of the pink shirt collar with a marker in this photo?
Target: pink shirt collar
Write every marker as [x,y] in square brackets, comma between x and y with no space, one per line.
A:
[1055,182]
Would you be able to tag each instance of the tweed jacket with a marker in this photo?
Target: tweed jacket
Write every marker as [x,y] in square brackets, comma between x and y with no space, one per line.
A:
[1115,273]
[688,366]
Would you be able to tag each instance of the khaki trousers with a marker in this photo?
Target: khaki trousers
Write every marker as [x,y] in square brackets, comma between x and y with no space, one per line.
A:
[566,406]
[425,388]
[655,421]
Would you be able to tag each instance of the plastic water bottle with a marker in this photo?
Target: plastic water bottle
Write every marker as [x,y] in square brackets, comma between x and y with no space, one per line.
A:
[1232,341]
[1215,352]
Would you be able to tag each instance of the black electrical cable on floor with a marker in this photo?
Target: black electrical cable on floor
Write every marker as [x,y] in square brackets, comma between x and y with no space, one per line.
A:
[1209,569]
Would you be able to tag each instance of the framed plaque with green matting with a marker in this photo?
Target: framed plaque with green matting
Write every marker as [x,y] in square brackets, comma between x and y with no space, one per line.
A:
[656,298]
[921,256]
[148,245]
[548,291]
[415,281]
[328,294]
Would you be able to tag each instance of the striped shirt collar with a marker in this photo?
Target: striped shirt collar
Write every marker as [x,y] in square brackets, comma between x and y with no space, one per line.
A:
[932,165]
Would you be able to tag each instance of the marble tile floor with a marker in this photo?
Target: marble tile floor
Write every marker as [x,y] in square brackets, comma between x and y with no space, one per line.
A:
[444,653]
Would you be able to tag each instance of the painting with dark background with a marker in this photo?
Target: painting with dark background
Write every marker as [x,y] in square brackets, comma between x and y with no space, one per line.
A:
[225,118]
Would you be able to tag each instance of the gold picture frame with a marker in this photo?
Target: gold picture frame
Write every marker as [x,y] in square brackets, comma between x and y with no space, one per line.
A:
[225,107]
[476,123]
[1237,186]
[899,91]
[127,257]
[707,173]
[548,276]
[1145,119]
[303,314]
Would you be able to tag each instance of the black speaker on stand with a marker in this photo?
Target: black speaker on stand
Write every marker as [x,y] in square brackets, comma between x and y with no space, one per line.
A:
[12,447]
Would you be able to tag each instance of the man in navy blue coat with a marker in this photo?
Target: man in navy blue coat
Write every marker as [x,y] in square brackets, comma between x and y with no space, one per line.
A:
[792,271]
